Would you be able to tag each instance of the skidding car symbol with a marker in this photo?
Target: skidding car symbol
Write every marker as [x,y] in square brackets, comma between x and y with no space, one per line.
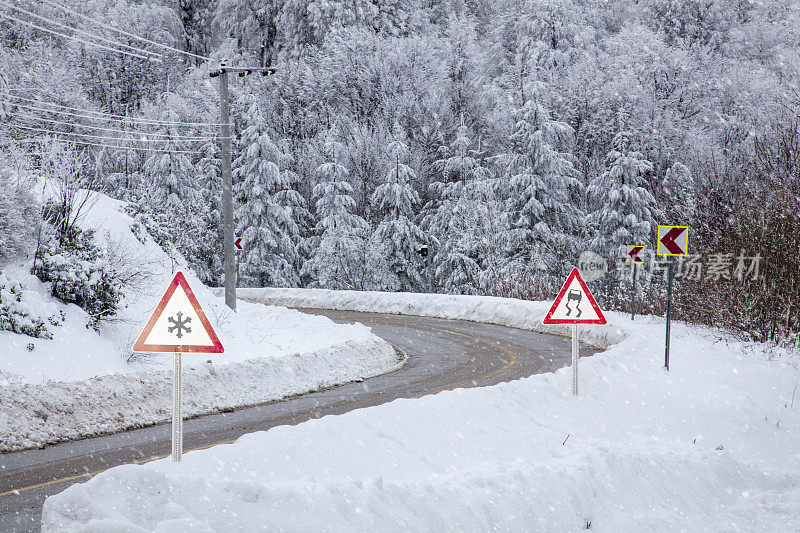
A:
[574,294]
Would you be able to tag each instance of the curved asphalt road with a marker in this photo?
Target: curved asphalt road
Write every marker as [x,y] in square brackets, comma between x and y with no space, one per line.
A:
[442,354]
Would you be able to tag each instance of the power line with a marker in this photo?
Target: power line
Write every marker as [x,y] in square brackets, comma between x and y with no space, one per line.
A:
[118,30]
[67,27]
[113,130]
[111,116]
[64,35]
[107,138]
[162,150]
[99,118]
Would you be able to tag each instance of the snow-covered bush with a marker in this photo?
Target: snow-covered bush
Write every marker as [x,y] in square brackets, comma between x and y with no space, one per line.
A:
[17,316]
[80,273]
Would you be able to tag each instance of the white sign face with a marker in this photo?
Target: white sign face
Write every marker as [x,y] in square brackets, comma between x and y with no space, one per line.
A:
[574,304]
[178,324]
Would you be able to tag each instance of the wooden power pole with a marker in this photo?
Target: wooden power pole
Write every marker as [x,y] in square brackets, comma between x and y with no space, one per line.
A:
[229,257]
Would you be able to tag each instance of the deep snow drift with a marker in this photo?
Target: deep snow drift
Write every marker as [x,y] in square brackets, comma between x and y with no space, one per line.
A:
[712,445]
[82,383]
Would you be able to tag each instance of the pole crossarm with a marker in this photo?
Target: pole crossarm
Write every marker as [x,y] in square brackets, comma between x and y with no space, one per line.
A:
[242,71]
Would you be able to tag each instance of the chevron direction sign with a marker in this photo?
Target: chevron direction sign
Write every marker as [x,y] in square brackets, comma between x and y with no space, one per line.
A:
[673,240]
[635,254]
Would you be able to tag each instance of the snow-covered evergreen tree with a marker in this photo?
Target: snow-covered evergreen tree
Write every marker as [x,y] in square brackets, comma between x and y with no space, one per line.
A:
[459,221]
[19,212]
[170,170]
[679,195]
[270,233]
[208,177]
[338,247]
[543,183]
[622,212]
[393,258]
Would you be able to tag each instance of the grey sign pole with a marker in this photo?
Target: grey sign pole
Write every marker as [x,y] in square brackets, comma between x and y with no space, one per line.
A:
[633,292]
[670,275]
[177,411]
[575,356]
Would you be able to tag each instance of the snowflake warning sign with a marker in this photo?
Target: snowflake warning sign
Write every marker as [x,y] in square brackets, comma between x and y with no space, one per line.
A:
[178,324]
[574,304]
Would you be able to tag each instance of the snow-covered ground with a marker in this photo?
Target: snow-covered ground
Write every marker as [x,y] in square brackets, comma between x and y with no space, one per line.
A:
[83,383]
[712,445]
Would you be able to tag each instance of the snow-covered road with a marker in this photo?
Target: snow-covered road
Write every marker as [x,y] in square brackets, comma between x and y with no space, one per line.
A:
[441,353]
[711,445]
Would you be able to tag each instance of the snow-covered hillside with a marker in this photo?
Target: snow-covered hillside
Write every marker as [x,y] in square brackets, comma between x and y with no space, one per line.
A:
[711,445]
[76,377]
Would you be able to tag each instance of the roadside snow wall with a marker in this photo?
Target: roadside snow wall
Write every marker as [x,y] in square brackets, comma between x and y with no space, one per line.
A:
[486,309]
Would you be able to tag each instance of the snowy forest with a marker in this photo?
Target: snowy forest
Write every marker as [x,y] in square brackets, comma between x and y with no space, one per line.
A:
[507,137]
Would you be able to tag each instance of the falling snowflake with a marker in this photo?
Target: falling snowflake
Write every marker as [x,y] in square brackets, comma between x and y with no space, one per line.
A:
[179,323]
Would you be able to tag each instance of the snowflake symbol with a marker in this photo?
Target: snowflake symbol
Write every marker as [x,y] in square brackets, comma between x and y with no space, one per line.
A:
[179,323]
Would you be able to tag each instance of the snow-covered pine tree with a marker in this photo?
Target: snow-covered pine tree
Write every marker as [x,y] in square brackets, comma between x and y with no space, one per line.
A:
[678,190]
[270,233]
[339,245]
[543,186]
[253,24]
[170,170]
[208,177]
[19,212]
[622,211]
[459,221]
[169,196]
[298,222]
[392,258]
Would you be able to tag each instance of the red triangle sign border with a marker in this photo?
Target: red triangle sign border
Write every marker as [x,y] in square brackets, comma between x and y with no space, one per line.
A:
[140,346]
[549,320]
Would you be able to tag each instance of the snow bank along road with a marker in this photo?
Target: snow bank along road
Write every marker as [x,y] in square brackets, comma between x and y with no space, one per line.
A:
[442,354]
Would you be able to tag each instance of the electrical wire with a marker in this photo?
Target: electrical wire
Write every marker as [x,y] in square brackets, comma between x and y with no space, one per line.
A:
[118,30]
[103,137]
[99,128]
[122,147]
[83,32]
[64,35]
[102,115]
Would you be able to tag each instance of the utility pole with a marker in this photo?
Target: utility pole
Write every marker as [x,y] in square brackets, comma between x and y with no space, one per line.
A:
[229,254]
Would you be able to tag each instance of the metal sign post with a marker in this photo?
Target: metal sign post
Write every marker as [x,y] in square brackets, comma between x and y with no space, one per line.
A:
[177,411]
[178,325]
[633,293]
[575,357]
[672,241]
[574,305]
[635,255]
[670,274]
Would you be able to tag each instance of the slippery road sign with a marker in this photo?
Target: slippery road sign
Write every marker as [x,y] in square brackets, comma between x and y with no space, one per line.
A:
[673,240]
[574,304]
[178,324]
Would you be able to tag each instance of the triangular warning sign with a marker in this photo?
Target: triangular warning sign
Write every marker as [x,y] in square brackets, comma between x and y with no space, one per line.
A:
[178,324]
[574,304]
